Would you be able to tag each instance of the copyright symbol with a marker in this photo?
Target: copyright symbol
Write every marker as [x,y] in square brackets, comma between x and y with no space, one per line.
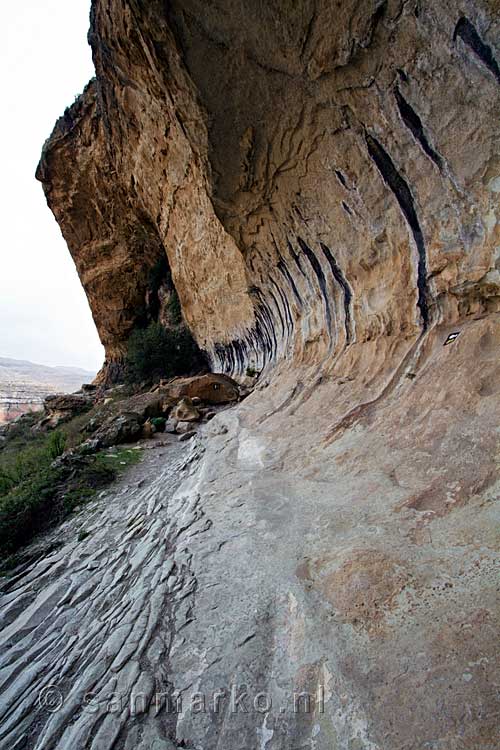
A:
[50,699]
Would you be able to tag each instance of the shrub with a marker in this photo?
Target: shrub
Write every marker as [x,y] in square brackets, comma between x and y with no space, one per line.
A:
[56,444]
[174,308]
[155,352]
[25,510]
[35,495]
[7,481]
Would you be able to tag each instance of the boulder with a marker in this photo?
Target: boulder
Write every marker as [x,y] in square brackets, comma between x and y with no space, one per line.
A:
[69,402]
[183,427]
[90,446]
[91,426]
[211,388]
[124,428]
[171,425]
[148,405]
[185,411]
[59,409]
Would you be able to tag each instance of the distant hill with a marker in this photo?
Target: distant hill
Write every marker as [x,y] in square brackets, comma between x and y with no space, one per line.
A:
[24,385]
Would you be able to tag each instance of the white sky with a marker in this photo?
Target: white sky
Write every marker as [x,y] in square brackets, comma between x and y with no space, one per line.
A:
[44,62]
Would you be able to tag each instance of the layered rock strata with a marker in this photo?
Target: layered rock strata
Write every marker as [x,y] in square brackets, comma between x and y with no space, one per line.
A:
[310,178]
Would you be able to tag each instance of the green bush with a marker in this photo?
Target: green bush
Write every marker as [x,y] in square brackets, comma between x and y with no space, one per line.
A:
[7,481]
[26,509]
[156,352]
[21,463]
[35,495]
[174,309]
[56,444]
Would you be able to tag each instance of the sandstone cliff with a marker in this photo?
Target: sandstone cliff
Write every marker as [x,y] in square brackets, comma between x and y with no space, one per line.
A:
[316,177]
[320,183]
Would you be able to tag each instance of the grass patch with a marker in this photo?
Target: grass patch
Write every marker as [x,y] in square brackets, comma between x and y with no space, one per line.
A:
[120,458]
[18,465]
[36,495]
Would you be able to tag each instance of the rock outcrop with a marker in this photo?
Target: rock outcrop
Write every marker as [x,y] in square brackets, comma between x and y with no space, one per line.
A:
[307,179]
[319,182]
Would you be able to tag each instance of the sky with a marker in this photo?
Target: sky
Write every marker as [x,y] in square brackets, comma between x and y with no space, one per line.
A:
[45,62]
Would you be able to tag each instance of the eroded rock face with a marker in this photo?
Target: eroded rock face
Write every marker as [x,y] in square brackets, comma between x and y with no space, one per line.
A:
[338,545]
[316,176]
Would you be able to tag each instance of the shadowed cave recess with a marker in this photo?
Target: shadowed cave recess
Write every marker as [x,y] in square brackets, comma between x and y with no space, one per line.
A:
[313,175]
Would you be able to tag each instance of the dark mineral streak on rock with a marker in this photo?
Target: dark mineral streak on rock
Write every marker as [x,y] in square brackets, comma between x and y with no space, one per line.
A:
[341,178]
[282,267]
[346,292]
[467,32]
[414,124]
[286,306]
[402,193]
[320,276]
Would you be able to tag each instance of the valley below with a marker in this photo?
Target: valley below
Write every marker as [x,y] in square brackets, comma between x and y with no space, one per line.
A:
[24,385]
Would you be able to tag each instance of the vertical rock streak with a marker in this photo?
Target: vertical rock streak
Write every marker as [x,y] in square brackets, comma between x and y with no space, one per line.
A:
[414,124]
[402,193]
[282,267]
[346,291]
[320,276]
[467,32]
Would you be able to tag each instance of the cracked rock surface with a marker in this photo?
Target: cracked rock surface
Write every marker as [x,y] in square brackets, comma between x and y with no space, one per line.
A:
[356,568]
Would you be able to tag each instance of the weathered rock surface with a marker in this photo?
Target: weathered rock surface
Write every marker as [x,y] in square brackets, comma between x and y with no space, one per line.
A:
[59,409]
[307,178]
[359,570]
[186,411]
[187,435]
[148,405]
[124,428]
[124,419]
[323,180]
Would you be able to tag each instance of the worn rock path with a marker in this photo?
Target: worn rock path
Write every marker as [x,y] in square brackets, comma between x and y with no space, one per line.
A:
[278,555]
[94,618]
